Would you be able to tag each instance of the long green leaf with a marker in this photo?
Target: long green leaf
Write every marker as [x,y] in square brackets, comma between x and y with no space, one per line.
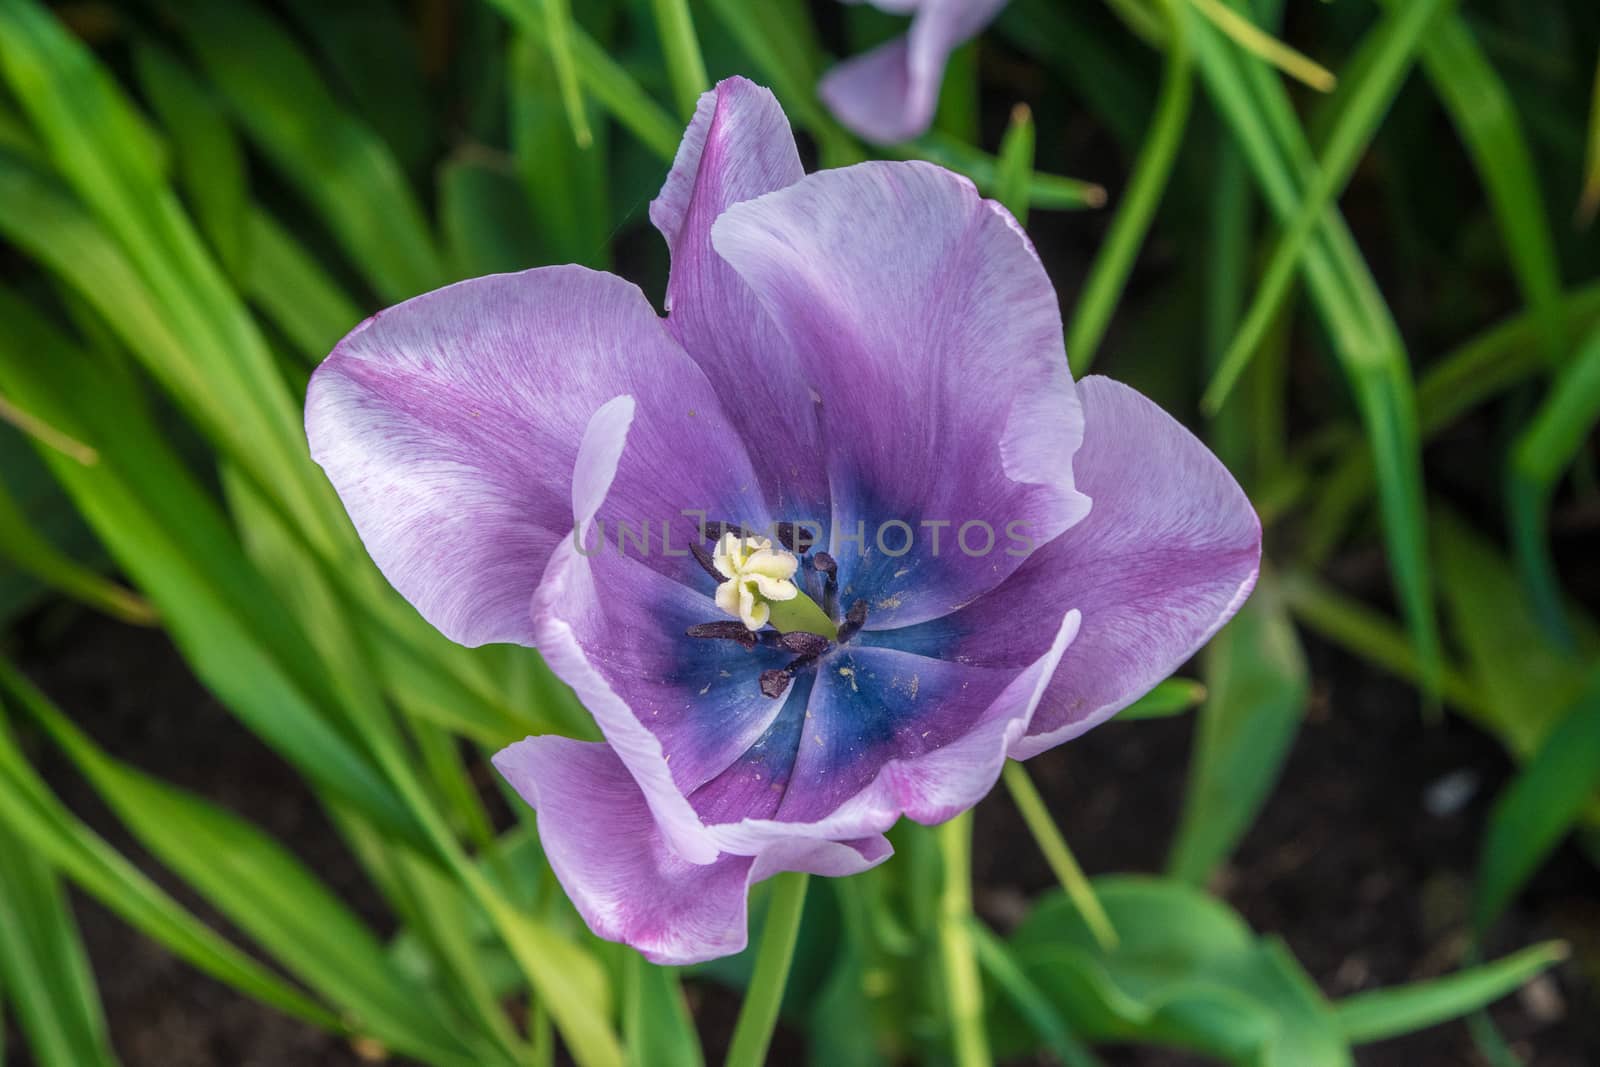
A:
[1480,106]
[26,549]
[210,163]
[210,355]
[1135,212]
[44,967]
[1544,449]
[685,68]
[1365,338]
[1386,1013]
[261,887]
[1393,44]
[602,76]
[29,810]
[1258,685]
[1540,805]
[337,163]
[657,1025]
[166,532]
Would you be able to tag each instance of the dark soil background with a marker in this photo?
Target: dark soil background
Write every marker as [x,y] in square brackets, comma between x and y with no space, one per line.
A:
[1347,863]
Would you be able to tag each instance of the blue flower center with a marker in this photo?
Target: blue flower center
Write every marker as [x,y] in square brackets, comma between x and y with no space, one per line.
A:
[807,623]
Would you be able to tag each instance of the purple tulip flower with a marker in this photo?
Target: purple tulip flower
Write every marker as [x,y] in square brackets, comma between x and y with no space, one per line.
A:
[874,350]
[888,95]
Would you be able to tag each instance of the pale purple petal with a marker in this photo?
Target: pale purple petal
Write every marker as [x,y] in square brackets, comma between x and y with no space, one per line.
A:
[738,147]
[622,875]
[925,321]
[449,425]
[889,94]
[1167,554]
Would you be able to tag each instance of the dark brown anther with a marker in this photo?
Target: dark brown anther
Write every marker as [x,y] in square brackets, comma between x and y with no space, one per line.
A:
[773,683]
[702,557]
[796,537]
[830,584]
[853,620]
[727,631]
[713,531]
[803,643]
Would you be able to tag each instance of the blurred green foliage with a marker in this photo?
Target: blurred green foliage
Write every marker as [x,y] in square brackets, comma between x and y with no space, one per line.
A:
[198,199]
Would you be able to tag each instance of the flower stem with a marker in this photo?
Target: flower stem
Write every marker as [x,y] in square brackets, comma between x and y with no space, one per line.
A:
[963,988]
[1048,837]
[759,1014]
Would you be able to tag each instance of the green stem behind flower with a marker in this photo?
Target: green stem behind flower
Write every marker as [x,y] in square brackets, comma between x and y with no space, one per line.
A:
[759,1014]
[1048,837]
[962,986]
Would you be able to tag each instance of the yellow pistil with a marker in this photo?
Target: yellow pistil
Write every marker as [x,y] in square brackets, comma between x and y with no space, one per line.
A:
[757,575]
[760,588]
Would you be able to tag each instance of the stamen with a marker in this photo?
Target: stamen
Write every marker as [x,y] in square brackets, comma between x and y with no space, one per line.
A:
[830,584]
[702,557]
[713,530]
[802,643]
[853,621]
[774,682]
[728,631]
[796,537]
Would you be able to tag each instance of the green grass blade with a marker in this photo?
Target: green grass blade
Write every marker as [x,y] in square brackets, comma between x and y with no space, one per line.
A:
[165,531]
[1481,108]
[31,553]
[1051,192]
[197,340]
[1541,804]
[1524,679]
[1258,685]
[1171,697]
[1386,1013]
[1376,638]
[1250,37]
[1114,261]
[1058,854]
[565,187]
[604,78]
[1544,449]
[996,958]
[211,168]
[29,810]
[1014,168]
[262,889]
[657,1024]
[685,68]
[44,968]
[294,291]
[1500,357]
[1366,341]
[484,214]
[1393,43]
[335,161]
[558,31]
[784,53]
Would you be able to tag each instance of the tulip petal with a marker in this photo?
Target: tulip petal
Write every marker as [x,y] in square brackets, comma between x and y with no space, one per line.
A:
[1167,554]
[889,94]
[624,877]
[925,321]
[738,147]
[850,778]
[449,425]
